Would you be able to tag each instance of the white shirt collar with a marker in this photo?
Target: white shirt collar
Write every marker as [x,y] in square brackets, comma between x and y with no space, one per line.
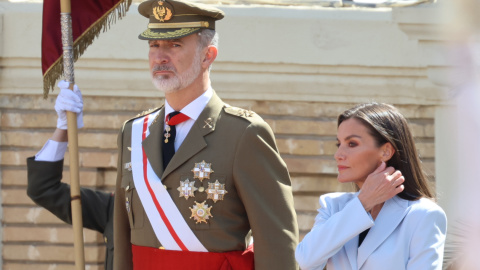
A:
[194,108]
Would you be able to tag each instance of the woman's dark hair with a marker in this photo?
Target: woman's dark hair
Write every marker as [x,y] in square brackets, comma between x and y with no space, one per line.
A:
[386,124]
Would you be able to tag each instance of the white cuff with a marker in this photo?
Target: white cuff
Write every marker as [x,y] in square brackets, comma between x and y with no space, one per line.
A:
[52,151]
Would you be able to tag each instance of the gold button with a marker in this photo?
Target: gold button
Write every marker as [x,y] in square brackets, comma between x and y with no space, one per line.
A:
[165,186]
[161,248]
[201,189]
[105,239]
[127,188]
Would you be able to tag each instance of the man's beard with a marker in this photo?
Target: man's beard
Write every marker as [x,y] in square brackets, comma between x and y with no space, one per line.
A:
[170,84]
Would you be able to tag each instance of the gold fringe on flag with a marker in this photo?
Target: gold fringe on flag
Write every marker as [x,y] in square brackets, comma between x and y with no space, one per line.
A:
[81,43]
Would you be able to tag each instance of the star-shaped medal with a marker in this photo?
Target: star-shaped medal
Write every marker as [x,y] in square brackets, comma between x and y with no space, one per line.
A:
[187,189]
[216,191]
[202,170]
[201,212]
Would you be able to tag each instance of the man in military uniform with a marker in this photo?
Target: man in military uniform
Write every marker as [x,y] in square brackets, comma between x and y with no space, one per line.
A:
[196,177]
[45,174]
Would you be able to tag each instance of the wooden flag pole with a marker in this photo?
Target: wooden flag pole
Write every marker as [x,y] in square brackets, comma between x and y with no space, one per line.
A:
[77,222]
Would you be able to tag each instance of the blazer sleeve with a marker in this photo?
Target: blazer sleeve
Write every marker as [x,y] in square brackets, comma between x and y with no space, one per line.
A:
[46,189]
[428,241]
[263,184]
[337,222]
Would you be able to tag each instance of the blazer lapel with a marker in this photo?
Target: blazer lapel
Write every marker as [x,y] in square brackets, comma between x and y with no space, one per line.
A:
[152,145]
[351,248]
[195,142]
[392,213]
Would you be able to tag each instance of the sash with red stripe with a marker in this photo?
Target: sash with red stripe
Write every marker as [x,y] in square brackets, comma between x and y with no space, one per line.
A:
[167,222]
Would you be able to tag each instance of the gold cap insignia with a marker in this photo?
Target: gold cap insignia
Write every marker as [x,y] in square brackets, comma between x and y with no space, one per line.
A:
[201,212]
[202,170]
[187,189]
[216,191]
[162,12]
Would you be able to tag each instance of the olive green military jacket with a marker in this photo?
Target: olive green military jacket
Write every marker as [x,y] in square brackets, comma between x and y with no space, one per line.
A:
[46,189]
[241,149]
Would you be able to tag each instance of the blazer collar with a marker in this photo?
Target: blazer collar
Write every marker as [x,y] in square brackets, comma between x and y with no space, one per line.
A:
[390,216]
[193,143]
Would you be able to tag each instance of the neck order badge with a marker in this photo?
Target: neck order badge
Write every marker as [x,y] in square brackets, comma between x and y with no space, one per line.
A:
[172,119]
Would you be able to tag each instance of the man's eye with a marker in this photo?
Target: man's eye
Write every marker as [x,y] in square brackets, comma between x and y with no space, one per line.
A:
[337,144]
[352,144]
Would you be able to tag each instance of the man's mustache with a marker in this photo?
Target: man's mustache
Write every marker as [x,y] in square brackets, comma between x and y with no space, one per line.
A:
[163,68]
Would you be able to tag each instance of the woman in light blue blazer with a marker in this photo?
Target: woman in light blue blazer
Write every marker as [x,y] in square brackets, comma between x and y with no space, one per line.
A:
[392,222]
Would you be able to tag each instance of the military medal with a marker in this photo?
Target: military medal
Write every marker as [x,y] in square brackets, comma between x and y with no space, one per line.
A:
[127,204]
[201,212]
[128,166]
[216,191]
[187,189]
[167,133]
[202,170]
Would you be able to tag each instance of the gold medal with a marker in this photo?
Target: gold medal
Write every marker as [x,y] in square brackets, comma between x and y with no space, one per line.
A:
[187,189]
[202,170]
[201,212]
[216,191]
[167,133]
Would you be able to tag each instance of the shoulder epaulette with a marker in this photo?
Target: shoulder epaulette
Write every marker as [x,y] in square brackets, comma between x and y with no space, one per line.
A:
[149,111]
[239,111]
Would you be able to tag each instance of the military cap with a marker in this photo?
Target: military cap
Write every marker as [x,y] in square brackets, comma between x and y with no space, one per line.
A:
[171,19]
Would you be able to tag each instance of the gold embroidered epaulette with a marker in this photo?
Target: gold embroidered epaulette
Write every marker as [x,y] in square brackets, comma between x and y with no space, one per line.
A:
[239,111]
[141,114]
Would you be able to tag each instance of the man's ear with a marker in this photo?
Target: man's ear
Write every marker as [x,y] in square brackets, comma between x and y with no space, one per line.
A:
[210,56]
[387,151]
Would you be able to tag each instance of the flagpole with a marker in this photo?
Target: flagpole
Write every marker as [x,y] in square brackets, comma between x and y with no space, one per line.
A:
[67,43]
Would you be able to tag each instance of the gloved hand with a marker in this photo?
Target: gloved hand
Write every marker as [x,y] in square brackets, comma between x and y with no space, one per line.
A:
[68,100]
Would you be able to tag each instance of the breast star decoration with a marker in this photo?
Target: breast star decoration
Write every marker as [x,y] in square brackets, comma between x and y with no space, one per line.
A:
[216,191]
[187,189]
[201,212]
[202,170]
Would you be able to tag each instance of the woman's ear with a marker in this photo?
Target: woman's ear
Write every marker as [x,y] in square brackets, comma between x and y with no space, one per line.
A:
[209,56]
[387,151]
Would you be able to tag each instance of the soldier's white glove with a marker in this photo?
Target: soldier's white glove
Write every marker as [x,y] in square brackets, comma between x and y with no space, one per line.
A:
[68,100]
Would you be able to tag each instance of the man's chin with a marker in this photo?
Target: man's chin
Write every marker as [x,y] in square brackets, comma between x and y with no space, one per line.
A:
[162,86]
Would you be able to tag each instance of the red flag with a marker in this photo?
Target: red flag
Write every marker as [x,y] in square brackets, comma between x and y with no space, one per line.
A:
[89,17]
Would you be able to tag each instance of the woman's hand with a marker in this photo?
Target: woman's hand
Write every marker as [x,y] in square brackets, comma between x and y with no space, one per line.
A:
[380,185]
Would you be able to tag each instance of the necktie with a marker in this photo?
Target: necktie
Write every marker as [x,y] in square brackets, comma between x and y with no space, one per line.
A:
[172,119]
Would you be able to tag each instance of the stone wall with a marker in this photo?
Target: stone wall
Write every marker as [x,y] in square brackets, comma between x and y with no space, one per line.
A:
[296,67]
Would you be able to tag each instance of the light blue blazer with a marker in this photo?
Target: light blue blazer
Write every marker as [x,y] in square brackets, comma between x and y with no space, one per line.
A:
[405,235]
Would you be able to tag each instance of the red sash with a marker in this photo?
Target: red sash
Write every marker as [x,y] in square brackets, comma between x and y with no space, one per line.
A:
[147,258]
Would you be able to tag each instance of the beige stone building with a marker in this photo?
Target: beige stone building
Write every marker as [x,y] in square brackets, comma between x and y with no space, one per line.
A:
[298,66]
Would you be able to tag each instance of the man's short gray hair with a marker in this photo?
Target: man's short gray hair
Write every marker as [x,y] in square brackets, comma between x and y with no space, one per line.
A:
[208,37]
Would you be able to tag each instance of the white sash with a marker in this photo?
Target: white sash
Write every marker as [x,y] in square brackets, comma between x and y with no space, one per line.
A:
[167,222]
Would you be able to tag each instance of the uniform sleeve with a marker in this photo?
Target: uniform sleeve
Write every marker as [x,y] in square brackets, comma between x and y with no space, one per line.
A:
[334,227]
[46,189]
[122,259]
[428,241]
[263,184]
